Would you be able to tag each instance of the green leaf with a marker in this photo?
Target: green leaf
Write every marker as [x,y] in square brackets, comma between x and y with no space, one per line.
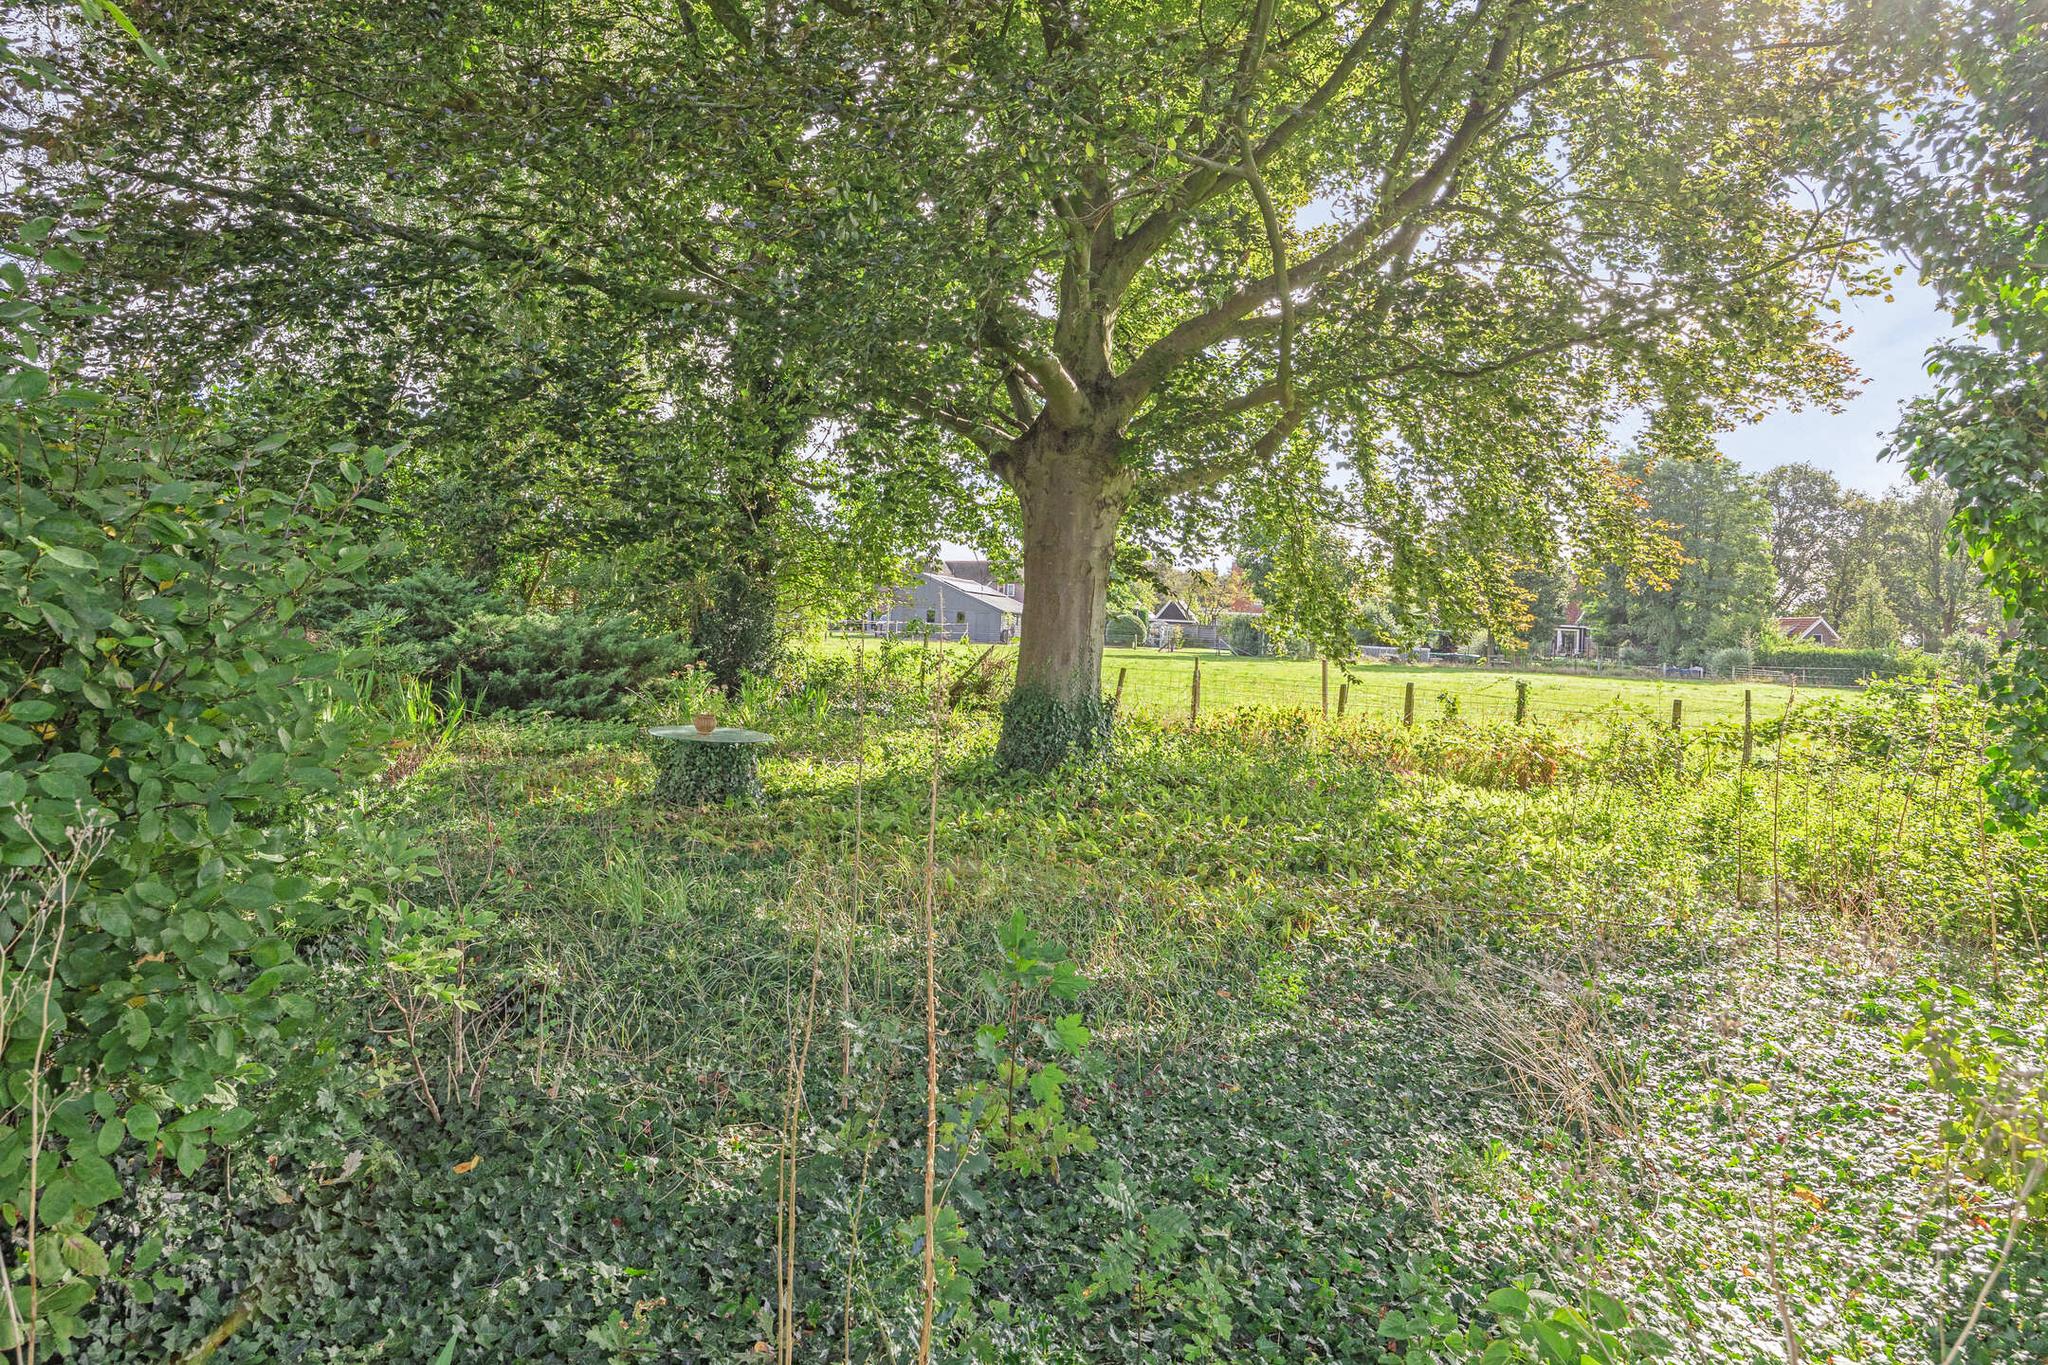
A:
[71,557]
[111,1135]
[1608,1309]
[96,1181]
[141,1120]
[127,26]
[1509,1302]
[84,1255]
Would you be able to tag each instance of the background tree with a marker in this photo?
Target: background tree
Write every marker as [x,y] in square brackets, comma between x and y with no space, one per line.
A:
[1870,622]
[1825,541]
[1933,584]
[1720,595]
[1812,523]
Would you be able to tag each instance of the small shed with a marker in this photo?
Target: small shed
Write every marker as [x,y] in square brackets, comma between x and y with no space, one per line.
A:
[1572,637]
[1173,615]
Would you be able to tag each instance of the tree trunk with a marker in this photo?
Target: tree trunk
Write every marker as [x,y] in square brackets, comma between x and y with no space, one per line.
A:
[1072,495]
[736,629]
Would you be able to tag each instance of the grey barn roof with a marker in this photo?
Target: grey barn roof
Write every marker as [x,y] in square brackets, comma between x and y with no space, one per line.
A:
[981,593]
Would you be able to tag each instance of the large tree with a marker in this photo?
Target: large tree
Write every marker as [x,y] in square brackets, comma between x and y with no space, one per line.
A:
[494,231]
[1156,254]
[1169,261]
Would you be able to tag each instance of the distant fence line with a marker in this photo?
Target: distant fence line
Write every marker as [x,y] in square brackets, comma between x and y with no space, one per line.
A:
[1172,690]
[1533,665]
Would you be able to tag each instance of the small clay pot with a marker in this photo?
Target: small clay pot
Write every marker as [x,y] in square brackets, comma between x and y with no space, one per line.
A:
[705,721]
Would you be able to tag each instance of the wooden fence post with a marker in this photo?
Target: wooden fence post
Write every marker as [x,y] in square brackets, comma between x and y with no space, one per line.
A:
[1677,739]
[1408,705]
[1343,696]
[1120,687]
[1326,689]
[1521,700]
[1742,796]
[1195,695]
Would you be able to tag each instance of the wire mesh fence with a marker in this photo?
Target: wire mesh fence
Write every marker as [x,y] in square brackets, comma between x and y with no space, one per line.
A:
[1163,684]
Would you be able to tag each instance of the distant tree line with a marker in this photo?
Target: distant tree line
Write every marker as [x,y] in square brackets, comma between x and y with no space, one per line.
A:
[1881,569]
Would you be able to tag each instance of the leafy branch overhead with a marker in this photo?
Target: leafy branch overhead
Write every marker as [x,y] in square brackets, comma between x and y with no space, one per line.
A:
[1147,260]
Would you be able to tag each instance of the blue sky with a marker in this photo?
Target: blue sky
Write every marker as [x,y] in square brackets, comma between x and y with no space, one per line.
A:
[1888,344]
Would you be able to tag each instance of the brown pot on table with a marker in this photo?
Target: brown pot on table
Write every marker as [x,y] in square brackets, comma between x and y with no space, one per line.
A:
[705,721]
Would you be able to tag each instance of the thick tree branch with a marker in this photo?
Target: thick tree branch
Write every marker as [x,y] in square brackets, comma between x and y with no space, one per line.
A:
[1046,375]
[988,439]
[295,203]
[1636,316]
[1210,472]
[1199,333]
[1144,241]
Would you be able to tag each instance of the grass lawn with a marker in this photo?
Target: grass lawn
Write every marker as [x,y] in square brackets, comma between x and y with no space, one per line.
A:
[1158,683]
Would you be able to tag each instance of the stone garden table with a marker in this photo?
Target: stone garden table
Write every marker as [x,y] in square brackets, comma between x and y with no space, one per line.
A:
[693,768]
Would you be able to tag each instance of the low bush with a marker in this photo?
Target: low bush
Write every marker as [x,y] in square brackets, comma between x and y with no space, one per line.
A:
[408,626]
[438,626]
[1849,663]
[1969,654]
[576,665]
[1124,630]
[1727,662]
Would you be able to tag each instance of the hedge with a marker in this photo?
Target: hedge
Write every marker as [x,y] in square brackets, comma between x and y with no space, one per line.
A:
[1861,663]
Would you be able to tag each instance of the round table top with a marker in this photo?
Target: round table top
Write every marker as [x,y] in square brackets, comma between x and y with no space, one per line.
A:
[724,734]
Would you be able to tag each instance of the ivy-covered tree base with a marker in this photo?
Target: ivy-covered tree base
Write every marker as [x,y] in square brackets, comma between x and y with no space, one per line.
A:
[1042,730]
[691,774]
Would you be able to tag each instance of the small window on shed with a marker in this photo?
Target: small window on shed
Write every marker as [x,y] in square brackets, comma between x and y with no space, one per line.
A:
[931,616]
[959,618]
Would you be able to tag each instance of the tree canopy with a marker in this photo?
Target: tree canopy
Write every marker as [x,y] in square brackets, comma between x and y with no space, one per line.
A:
[1391,275]
[1720,593]
[1965,190]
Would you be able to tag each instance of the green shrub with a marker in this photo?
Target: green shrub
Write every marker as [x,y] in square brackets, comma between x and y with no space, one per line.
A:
[410,624]
[1124,630]
[573,664]
[1849,663]
[1999,1130]
[161,718]
[1730,660]
[434,623]
[1969,654]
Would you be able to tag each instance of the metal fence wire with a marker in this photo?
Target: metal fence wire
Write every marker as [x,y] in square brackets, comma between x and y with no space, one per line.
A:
[1163,685]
